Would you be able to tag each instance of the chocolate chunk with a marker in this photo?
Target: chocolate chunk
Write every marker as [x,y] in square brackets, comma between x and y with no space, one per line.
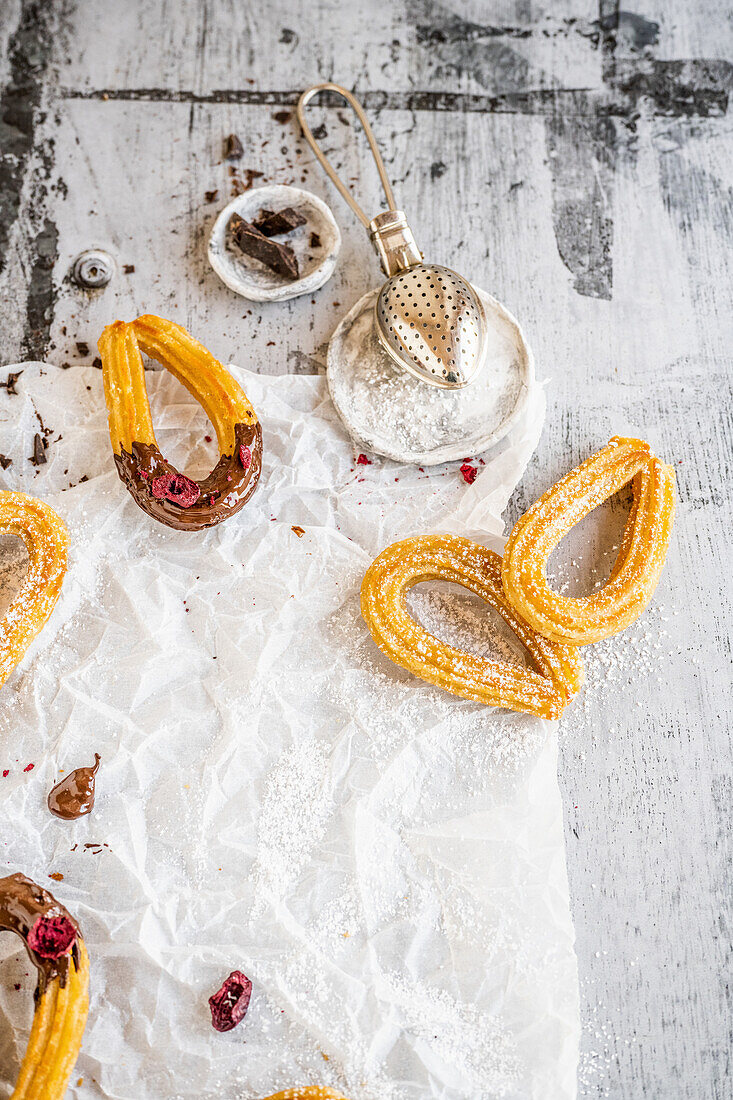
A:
[272,222]
[97,362]
[12,378]
[39,451]
[278,257]
[82,347]
[5,461]
[315,240]
[233,148]
[211,196]
[128,269]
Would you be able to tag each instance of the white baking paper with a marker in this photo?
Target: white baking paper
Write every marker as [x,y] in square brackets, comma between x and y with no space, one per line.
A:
[383,860]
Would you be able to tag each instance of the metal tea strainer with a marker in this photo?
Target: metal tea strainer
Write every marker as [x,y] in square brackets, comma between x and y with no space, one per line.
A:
[429,319]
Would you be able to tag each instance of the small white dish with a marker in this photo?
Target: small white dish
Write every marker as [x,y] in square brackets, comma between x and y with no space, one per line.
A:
[388,411]
[251,278]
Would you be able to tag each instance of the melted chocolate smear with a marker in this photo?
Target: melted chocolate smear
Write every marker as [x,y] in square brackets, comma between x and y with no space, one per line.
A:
[227,488]
[22,902]
[74,795]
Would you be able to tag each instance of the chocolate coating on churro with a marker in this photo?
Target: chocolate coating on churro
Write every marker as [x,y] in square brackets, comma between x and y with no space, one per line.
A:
[22,903]
[226,489]
[73,796]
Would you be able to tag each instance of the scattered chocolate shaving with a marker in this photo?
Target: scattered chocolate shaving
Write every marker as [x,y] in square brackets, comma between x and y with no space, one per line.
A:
[282,117]
[10,381]
[315,240]
[5,461]
[129,269]
[278,257]
[39,451]
[272,222]
[82,347]
[233,148]
[211,196]
[299,531]
[56,876]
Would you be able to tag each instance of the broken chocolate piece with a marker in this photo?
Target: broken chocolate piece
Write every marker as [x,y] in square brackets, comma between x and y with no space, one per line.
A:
[129,269]
[211,196]
[272,222]
[82,347]
[5,461]
[278,257]
[315,240]
[233,148]
[39,450]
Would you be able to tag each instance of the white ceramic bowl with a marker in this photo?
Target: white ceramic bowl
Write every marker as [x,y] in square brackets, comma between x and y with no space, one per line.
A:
[251,278]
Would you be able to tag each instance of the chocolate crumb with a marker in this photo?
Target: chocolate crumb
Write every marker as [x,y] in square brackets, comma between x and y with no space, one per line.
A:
[5,461]
[128,269]
[56,876]
[278,257]
[315,240]
[320,132]
[250,174]
[97,362]
[233,148]
[82,347]
[39,451]
[299,531]
[211,196]
[10,381]
[282,117]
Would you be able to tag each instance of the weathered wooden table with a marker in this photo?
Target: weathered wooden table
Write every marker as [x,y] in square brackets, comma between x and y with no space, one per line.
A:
[573,159]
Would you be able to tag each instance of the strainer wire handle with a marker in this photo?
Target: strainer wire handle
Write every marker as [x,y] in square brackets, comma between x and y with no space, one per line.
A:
[303,102]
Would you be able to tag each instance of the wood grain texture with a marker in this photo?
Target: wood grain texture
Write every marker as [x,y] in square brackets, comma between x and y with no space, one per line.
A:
[576,163]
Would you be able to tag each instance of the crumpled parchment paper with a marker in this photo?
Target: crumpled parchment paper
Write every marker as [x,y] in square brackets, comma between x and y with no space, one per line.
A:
[383,860]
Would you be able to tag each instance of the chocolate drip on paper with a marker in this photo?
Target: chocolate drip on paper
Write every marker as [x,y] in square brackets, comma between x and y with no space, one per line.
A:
[73,796]
[22,902]
[226,489]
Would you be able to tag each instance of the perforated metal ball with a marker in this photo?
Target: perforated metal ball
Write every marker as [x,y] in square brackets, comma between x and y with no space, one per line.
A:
[431,322]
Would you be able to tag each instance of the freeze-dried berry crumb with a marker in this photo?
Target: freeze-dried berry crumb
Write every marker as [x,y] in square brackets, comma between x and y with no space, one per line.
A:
[245,456]
[469,473]
[229,1005]
[51,937]
[177,488]
[364,461]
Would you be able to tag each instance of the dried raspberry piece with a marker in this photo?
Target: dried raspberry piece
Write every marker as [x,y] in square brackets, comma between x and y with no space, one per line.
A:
[230,1003]
[469,473]
[245,456]
[51,937]
[176,488]
[364,461]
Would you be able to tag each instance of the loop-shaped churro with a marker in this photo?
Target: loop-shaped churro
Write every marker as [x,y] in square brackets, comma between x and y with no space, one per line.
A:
[46,538]
[544,692]
[578,620]
[56,948]
[157,486]
[308,1092]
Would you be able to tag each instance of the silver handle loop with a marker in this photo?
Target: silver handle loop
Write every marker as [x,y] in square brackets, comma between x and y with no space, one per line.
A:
[303,102]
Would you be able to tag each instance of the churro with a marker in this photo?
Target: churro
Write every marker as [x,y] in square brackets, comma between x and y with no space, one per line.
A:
[157,486]
[46,540]
[580,620]
[544,692]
